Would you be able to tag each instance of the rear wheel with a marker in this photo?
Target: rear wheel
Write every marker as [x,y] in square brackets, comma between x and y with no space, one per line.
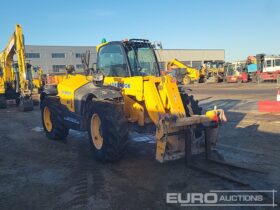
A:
[259,79]
[52,120]
[3,102]
[25,104]
[186,80]
[107,129]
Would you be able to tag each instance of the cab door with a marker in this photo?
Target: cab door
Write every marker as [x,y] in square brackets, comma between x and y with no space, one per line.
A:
[268,65]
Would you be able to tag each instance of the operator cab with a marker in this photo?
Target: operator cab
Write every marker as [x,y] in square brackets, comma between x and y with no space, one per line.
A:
[235,69]
[134,57]
[268,63]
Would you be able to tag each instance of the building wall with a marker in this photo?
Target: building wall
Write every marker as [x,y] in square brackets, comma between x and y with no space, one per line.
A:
[50,56]
[192,57]
[50,60]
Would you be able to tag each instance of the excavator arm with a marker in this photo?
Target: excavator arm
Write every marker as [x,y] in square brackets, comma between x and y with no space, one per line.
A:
[24,76]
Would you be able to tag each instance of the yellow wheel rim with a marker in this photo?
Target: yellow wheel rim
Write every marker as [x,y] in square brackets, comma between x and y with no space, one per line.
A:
[186,80]
[96,137]
[47,119]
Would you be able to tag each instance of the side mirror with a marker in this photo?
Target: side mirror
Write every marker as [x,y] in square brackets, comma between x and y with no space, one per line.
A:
[94,67]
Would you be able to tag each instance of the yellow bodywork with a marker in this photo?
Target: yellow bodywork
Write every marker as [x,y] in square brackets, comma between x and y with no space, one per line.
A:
[157,95]
[192,73]
[67,88]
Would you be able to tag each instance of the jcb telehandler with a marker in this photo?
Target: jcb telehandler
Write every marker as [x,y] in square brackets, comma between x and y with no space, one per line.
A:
[182,73]
[126,87]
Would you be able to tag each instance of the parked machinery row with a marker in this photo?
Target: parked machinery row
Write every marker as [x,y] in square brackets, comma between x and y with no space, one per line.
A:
[259,68]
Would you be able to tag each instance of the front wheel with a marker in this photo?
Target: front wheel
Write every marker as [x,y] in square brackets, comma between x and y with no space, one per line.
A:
[278,79]
[107,129]
[259,79]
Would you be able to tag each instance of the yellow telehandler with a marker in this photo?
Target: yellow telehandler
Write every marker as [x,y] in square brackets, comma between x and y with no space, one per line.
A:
[15,77]
[126,88]
[182,73]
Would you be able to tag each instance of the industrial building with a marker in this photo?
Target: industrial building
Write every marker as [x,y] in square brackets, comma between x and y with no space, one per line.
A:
[55,58]
[190,57]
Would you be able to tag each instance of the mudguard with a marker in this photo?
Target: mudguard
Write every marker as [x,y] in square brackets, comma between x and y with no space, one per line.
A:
[89,91]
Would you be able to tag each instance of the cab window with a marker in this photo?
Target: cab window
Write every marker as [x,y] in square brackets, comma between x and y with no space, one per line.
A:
[277,62]
[268,63]
[112,62]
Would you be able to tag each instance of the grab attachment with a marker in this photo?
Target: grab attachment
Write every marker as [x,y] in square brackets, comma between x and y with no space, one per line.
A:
[174,135]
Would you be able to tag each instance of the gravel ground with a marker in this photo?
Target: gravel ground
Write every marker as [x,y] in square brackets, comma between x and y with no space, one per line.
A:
[37,173]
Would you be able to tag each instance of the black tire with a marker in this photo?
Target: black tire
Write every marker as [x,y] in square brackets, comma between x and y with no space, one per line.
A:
[192,108]
[114,130]
[254,78]
[259,79]
[3,102]
[59,131]
[278,79]
[25,104]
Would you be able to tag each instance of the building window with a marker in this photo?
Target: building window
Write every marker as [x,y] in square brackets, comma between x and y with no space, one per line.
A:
[196,64]
[57,68]
[58,55]
[79,66]
[187,63]
[78,55]
[32,55]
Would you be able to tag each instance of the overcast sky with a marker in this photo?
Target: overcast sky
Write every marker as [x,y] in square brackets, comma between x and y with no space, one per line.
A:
[241,27]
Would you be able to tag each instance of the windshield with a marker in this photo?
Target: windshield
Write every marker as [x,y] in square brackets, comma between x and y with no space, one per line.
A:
[231,67]
[142,60]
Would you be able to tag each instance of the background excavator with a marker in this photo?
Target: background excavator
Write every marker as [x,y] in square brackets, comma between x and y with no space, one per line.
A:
[182,73]
[15,77]
[126,89]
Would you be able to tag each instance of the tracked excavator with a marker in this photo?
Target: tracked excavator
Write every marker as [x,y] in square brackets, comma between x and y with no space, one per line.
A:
[125,88]
[15,77]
